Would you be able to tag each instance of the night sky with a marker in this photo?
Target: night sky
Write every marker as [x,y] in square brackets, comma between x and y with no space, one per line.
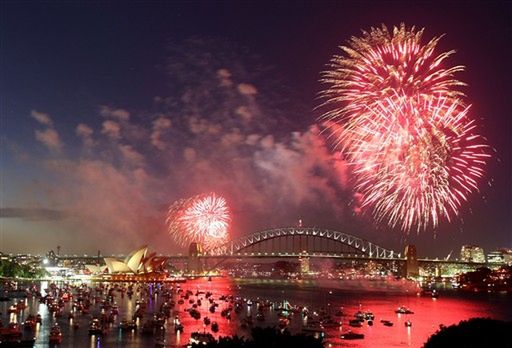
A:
[112,111]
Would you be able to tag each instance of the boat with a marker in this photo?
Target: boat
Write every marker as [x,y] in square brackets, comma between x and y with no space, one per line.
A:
[178,327]
[95,328]
[283,323]
[206,321]
[215,327]
[408,323]
[30,323]
[369,316]
[359,315]
[55,334]
[349,335]
[203,338]
[127,325]
[330,323]
[403,310]
[11,332]
[260,316]
[386,322]
[355,323]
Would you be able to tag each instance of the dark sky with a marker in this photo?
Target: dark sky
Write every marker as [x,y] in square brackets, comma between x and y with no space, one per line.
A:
[110,111]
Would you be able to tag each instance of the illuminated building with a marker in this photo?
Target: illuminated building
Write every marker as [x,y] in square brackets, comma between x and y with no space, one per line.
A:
[136,266]
[472,253]
[500,257]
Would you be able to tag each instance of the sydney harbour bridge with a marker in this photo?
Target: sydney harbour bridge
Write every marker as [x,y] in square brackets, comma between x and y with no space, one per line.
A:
[300,242]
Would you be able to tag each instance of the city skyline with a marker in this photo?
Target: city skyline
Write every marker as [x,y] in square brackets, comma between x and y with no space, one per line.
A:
[110,114]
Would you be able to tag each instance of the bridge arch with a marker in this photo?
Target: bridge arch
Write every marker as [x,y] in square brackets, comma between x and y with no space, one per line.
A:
[362,246]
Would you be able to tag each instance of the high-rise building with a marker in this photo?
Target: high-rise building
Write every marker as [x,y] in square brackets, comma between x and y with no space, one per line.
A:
[472,253]
[500,256]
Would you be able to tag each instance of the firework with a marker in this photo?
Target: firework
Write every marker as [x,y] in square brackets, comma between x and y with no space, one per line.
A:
[204,219]
[401,121]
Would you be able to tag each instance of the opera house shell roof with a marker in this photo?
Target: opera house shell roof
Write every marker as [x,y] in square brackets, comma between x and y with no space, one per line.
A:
[137,262]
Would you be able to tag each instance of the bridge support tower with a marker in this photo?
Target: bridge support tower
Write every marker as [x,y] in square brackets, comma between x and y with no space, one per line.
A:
[195,265]
[411,262]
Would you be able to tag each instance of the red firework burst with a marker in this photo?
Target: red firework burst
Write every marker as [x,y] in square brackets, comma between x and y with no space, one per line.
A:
[404,127]
[204,219]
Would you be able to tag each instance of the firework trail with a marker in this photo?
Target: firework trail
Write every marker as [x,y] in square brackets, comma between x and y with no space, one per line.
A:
[203,218]
[401,121]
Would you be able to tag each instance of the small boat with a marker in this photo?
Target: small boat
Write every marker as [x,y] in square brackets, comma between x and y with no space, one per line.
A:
[260,317]
[126,325]
[55,334]
[359,315]
[403,310]
[355,323]
[95,328]
[283,323]
[203,338]
[408,323]
[369,316]
[30,323]
[11,332]
[215,327]
[179,327]
[386,322]
[349,335]
[330,323]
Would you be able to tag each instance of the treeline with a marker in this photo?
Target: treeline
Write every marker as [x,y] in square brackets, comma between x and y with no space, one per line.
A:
[11,269]
[473,333]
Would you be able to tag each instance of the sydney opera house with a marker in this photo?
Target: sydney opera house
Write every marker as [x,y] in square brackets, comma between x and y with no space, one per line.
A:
[138,265]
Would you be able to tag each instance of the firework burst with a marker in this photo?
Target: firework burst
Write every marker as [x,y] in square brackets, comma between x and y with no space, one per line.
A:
[401,121]
[204,219]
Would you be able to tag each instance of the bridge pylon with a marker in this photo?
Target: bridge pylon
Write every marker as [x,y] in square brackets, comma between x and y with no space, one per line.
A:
[195,265]
[411,262]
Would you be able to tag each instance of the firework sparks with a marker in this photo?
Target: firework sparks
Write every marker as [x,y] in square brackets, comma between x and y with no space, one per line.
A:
[204,219]
[401,121]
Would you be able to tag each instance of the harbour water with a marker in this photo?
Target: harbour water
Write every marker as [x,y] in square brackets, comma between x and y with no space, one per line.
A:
[322,296]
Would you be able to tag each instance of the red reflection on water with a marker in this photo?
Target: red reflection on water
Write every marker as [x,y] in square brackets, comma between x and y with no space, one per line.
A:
[379,297]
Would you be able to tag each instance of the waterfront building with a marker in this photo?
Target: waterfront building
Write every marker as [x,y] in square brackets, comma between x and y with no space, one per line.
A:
[138,265]
[500,257]
[472,253]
